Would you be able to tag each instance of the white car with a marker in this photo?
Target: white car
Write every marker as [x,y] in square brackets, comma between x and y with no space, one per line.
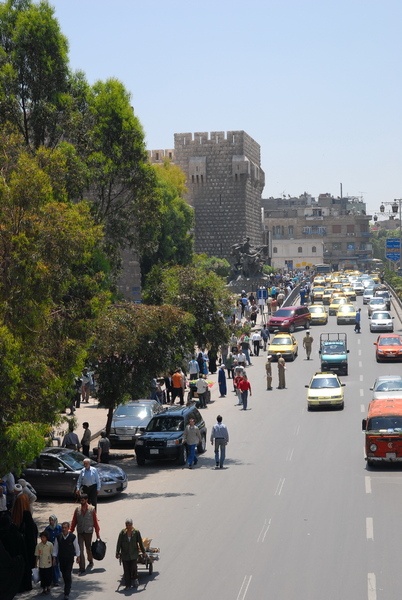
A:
[368,294]
[376,304]
[358,288]
[387,386]
[381,320]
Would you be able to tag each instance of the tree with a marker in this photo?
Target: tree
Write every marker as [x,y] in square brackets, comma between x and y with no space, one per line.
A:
[197,291]
[220,266]
[51,293]
[133,344]
[174,242]
[33,71]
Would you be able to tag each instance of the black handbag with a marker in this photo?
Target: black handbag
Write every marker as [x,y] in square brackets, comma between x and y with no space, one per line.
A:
[98,549]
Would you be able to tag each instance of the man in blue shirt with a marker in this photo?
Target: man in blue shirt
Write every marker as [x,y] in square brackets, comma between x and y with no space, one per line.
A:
[220,436]
[357,321]
[90,481]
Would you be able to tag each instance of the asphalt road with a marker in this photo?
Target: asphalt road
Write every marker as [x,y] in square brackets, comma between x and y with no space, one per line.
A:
[295,514]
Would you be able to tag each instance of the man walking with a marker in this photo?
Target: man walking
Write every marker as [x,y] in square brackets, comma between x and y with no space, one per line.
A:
[191,437]
[86,520]
[307,343]
[193,369]
[66,548]
[358,321]
[86,439]
[177,387]
[268,370]
[89,480]
[281,372]
[265,336]
[220,436]
[256,339]
[244,387]
[103,448]
[71,440]
[129,544]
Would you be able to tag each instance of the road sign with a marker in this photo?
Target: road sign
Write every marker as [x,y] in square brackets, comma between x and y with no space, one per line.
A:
[262,294]
[393,249]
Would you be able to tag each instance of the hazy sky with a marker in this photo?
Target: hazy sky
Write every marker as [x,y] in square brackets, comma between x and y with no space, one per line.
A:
[317,83]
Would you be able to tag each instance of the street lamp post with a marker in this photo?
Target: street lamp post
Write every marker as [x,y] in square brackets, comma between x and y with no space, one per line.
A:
[396,207]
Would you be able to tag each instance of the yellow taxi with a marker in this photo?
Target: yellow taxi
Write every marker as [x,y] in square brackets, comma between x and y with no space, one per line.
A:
[317,293]
[375,278]
[327,295]
[337,285]
[318,314]
[335,304]
[346,315]
[325,389]
[350,293]
[285,344]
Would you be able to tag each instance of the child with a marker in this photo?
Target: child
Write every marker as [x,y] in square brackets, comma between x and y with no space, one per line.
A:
[53,530]
[43,553]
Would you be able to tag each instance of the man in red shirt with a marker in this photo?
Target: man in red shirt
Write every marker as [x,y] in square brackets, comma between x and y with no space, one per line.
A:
[238,377]
[245,387]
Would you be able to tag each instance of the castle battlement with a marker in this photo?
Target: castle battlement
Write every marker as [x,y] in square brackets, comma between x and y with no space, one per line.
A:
[210,138]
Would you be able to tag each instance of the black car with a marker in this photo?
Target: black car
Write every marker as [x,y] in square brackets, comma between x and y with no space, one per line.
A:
[55,472]
[163,437]
[130,420]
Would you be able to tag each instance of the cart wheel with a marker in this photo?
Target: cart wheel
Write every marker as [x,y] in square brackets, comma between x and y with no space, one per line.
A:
[150,568]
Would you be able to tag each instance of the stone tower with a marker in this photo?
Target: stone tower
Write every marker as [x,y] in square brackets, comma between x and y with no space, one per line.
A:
[224,182]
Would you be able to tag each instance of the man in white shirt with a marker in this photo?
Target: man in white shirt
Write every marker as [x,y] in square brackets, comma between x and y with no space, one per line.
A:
[202,387]
[220,436]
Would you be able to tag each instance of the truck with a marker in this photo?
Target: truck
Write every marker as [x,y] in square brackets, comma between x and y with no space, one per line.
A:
[334,352]
[383,430]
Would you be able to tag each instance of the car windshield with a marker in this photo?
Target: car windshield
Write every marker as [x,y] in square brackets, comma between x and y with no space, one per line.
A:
[376,301]
[391,385]
[380,315]
[166,424]
[316,309]
[391,423]
[390,341]
[74,459]
[333,348]
[282,341]
[382,295]
[284,313]
[141,412]
[324,382]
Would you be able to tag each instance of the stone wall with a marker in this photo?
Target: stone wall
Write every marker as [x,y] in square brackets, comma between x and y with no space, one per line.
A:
[224,182]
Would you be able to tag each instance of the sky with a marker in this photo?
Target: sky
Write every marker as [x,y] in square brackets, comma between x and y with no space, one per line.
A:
[317,83]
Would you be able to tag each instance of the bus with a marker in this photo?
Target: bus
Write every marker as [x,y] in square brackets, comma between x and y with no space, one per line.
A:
[322,269]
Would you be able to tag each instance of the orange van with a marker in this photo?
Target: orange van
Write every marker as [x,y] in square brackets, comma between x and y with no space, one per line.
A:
[383,429]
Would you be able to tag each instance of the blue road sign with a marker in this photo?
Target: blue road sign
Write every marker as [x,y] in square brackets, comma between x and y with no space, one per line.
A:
[262,294]
[393,249]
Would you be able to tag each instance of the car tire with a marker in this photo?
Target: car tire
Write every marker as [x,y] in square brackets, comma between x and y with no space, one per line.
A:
[307,324]
[291,328]
[182,458]
[140,461]
[150,568]
[202,446]
[292,357]
[377,359]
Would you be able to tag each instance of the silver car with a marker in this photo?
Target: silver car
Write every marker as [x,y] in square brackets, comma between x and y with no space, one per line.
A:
[358,288]
[375,305]
[387,386]
[130,420]
[381,320]
[368,294]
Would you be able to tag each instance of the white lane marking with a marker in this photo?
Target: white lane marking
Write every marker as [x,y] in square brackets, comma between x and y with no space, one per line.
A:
[244,587]
[358,341]
[279,487]
[361,377]
[360,362]
[367,484]
[371,587]
[290,454]
[359,352]
[361,392]
[362,408]
[264,531]
[369,528]
[297,429]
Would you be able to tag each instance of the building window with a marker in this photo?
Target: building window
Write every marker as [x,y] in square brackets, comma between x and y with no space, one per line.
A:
[300,250]
[314,249]
[290,230]
[350,228]
[170,155]
[157,156]
[275,250]
[192,178]
[283,231]
[278,230]
[336,246]
[336,228]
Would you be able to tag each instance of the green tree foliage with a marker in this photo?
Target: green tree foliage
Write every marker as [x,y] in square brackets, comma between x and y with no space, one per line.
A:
[174,242]
[220,266]
[133,344]
[33,71]
[50,292]
[197,291]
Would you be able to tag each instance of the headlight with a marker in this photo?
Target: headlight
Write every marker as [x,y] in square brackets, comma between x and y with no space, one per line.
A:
[107,479]
[173,442]
[140,443]
[285,322]
[373,447]
[380,351]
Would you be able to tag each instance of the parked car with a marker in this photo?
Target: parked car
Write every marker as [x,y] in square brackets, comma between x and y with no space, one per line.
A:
[288,318]
[285,344]
[376,304]
[387,386]
[55,472]
[163,437]
[130,420]
[325,389]
[388,347]
[381,321]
